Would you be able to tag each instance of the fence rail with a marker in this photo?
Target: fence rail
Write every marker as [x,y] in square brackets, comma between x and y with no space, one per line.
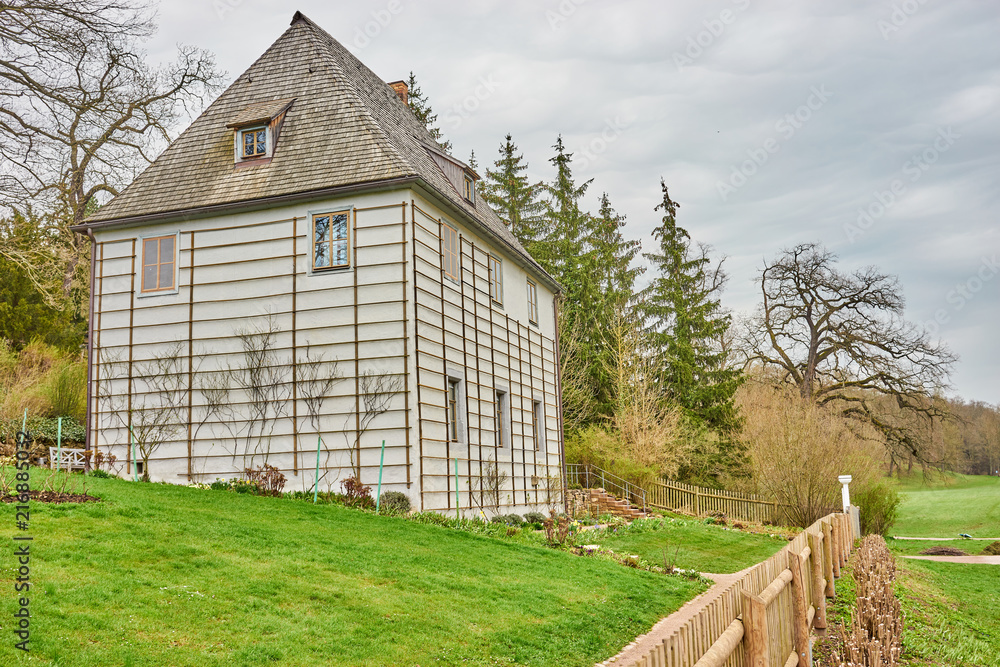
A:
[764,618]
[699,501]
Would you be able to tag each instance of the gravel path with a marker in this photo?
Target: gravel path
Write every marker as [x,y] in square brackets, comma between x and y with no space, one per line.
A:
[982,560]
[946,539]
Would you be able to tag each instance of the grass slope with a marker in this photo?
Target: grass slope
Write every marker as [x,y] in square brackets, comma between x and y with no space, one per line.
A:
[705,548]
[948,506]
[167,575]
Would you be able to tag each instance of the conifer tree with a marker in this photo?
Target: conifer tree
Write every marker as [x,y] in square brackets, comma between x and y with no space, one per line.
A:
[421,108]
[515,200]
[686,321]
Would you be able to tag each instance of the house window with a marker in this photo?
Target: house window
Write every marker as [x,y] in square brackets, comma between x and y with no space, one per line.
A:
[496,280]
[470,188]
[254,142]
[159,257]
[503,418]
[538,423]
[451,410]
[331,233]
[450,258]
[532,303]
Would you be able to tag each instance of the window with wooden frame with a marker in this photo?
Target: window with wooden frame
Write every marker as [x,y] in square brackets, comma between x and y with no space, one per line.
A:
[538,424]
[502,418]
[532,302]
[159,259]
[331,240]
[470,189]
[253,142]
[496,280]
[450,259]
[451,409]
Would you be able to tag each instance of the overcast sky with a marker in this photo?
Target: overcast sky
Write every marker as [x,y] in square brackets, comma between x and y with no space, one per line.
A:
[872,127]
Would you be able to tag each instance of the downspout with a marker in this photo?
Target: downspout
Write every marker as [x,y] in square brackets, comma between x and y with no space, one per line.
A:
[87,439]
[559,406]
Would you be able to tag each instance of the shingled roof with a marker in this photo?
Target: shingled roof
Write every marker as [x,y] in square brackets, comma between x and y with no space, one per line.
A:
[345,127]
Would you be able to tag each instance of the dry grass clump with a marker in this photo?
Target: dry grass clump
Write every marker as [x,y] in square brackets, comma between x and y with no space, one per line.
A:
[875,638]
[42,380]
[992,549]
[796,449]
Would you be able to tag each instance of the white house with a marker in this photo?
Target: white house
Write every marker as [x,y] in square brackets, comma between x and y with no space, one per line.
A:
[305,265]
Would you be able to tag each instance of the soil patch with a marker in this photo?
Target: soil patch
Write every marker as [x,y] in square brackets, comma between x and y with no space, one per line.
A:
[992,549]
[53,497]
[943,551]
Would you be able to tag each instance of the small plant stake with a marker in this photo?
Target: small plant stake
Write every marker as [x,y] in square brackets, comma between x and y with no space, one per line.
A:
[59,445]
[135,466]
[319,439]
[24,422]
[381,462]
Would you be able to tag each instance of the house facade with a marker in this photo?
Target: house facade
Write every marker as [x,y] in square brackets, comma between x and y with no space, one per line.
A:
[305,280]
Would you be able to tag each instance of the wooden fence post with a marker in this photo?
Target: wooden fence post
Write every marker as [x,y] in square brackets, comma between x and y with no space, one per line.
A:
[835,545]
[816,547]
[800,608]
[828,559]
[755,633]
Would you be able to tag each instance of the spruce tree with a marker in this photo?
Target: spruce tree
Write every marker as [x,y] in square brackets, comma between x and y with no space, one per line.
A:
[421,108]
[515,200]
[686,322]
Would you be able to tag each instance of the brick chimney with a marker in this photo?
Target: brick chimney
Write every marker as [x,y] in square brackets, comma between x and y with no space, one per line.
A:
[401,89]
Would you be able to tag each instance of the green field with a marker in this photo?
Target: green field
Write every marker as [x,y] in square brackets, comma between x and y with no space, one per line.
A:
[691,544]
[952,611]
[949,505]
[168,575]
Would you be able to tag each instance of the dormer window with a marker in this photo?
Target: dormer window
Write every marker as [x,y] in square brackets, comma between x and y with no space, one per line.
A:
[255,131]
[254,142]
[470,189]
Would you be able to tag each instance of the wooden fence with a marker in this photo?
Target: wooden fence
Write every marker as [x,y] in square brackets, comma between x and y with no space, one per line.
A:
[764,619]
[699,501]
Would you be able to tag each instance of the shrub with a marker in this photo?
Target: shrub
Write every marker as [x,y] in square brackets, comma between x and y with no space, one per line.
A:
[65,388]
[101,474]
[394,502]
[513,520]
[879,505]
[534,517]
[357,494]
[267,479]
[221,485]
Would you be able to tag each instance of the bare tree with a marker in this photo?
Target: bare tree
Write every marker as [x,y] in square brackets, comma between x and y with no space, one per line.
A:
[152,414]
[316,378]
[263,378]
[81,112]
[377,391]
[842,341]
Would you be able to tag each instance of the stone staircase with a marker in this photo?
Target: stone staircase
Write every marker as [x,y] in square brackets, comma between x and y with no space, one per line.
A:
[597,502]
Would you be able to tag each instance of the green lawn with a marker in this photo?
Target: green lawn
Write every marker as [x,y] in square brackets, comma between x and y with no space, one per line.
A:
[949,505]
[952,613]
[698,546]
[167,575]
[914,547]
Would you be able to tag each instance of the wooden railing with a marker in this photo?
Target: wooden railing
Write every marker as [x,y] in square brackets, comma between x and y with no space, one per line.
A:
[699,501]
[764,619]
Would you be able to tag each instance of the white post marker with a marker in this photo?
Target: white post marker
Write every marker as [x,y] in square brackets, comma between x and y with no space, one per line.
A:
[845,480]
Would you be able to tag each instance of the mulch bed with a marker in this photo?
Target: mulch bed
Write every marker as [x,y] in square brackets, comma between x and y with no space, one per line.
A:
[53,497]
[943,551]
